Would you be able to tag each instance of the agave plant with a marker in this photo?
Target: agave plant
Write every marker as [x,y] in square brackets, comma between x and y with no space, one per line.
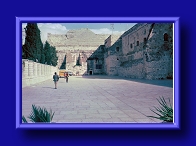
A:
[164,112]
[24,119]
[39,114]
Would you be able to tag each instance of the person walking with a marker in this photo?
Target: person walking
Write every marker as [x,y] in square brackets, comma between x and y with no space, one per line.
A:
[55,79]
[66,76]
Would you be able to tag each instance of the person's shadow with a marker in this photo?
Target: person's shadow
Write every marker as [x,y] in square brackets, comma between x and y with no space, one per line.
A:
[49,87]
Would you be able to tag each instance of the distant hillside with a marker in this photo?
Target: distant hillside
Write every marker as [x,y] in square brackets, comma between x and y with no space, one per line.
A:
[80,37]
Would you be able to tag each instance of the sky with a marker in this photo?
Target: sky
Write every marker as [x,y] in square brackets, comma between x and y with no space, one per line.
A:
[97,28]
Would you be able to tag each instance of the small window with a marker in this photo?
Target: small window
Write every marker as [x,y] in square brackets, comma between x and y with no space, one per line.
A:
[98,66]
[137,43]
[131,46]
[165,37]
[145,40]
[117,49]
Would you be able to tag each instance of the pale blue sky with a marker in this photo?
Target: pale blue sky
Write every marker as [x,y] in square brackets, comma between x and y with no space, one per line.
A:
[116,26]
[97,28]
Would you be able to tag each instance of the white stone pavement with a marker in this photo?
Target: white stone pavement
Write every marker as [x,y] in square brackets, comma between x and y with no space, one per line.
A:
[97,99]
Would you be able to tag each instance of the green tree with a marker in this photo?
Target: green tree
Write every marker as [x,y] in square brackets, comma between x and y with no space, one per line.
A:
[42,57]
[32,49]
[54,57]
[47,50]
[50,54]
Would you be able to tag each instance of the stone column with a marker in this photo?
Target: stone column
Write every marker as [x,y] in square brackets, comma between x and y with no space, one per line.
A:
[30,72]
[25,73]
[30,69]
[50,70]
[35,69]
[42,69]
[38,72]
[38,69]
[44,73]
[25,69]
[35,78]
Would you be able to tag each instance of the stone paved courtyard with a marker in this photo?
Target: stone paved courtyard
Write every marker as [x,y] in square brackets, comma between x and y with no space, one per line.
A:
[97,99]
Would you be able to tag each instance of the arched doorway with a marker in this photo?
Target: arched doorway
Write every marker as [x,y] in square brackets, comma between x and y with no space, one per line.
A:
[166,37]
[90,72]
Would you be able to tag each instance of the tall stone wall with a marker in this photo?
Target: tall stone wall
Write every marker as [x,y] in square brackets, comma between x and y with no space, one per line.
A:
[96,61]
[33,72]
[74,45]
[143,53]
[159,52]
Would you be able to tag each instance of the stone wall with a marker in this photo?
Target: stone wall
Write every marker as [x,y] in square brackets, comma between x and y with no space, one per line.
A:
[33,72]
[142,52]
[159,52]
[111,57]
[76,46]
[96,61]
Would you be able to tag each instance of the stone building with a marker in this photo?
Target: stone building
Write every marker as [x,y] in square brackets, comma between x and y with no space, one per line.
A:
[98,63]
[144,51]
[74,47]
[95,63]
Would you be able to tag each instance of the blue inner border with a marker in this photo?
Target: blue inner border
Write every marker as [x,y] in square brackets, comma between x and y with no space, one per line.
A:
[175,125]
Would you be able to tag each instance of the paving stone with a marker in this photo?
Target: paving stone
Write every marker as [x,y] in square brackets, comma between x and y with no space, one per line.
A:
[85,99]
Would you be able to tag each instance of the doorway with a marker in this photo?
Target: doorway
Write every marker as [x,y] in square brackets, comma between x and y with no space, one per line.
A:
[90,72]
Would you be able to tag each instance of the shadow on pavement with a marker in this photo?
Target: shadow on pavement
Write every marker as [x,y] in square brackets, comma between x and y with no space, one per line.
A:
[166,82]
[49,87]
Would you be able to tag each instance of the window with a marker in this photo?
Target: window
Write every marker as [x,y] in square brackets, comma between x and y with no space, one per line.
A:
[165,37]
[98,66]
[137,43]
[144,31]
[145,40]
[117,49]
[131,46]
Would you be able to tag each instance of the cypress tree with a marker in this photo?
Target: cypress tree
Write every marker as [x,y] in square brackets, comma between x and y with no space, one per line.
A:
[32,49]
[47,50]
[54,57]
[50,54]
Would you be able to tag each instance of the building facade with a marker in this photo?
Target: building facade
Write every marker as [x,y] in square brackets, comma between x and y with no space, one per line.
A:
[144,51]
[74,48]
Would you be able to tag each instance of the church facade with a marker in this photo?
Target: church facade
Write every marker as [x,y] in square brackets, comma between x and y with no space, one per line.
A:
[144,51]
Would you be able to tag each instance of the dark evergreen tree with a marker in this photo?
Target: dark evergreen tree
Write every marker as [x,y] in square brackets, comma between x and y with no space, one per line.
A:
[47,50]
[42,57]
[54,57]
[32,49]
[50,54]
